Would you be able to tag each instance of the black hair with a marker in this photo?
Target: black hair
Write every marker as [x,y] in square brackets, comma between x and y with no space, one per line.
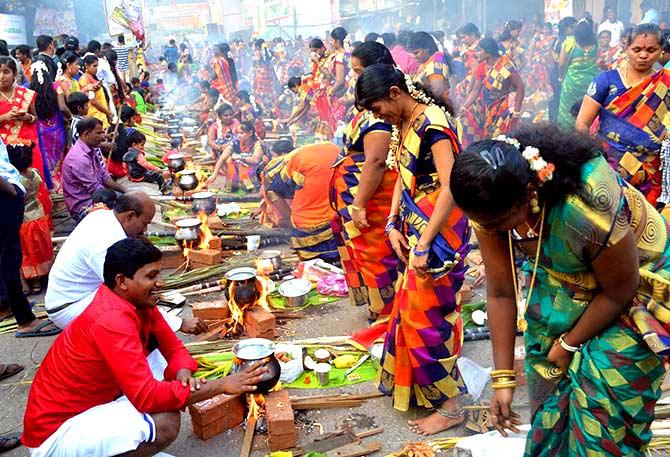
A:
[372,36]
[371,52]
[470,29]
[76,101]
[105,196]
[404,37]
[282,147]
[389,39]
[134,80]
[4,49]
[249,127]
[175,143]
[261,45]
[584,35]
[644,29]
[295,81]
[146,75]
[492,177]
[87,124]
[213,93]
[205,84]
[509,27]
[46,102]
[244,96]
[90,59]
[127,112]
[172,67]
[666,41]
[93,46]
[490,46]
[25,50]
[339,34]
[126,257]
[68,58]
[43,42]
[423,40]
[122,39]
[224,108]
[376,81]
[224,48]
[21,156]
[72,43]
[316,43]
[563,26]
[159,81]
[603,31]
[136,137]
[11,63]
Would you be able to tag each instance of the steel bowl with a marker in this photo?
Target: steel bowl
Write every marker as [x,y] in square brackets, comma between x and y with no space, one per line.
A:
[295,291]
[252,350]
[176,163]
[204,201]
[187,180]
[274,256]
[188,229]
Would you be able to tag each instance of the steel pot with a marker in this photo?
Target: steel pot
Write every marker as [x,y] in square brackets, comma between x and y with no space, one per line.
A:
[244,288]
[273,256]
[188,230]
[187,180]
[204,201]
[252,350]
[176,163]
[295,291]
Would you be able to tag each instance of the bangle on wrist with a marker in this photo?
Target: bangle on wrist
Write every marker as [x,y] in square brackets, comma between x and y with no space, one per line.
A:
[391,225]
[393,216]
[566,346]
[419,253]
[357,208]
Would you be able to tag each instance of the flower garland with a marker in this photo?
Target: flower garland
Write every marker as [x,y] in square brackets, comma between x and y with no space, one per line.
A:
[543,169]
[394,146]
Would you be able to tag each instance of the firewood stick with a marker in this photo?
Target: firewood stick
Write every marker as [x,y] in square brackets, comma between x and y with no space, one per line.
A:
[248,437]
[209,290]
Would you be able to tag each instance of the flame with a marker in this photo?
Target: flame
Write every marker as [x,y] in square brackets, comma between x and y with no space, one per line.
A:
[264,267]
[256,406]
[200,174]
[263,285]
[236,319]
[188,246]
[205,231]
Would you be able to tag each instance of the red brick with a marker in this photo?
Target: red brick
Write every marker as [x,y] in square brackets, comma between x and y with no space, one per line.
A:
[173,256]
[279,414]
[215,223]
[195,265]
[261,320]
[215,243]
[205,256]
[216,415]
[282,442]
[212,311]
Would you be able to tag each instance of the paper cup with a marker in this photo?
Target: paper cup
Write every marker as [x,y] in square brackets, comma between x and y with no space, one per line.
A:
[253,242]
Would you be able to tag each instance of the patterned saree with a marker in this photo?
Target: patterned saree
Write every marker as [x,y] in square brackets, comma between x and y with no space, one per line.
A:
[425,330]
[606,403]
[435,65]
[496,97]
[581,69]
[370,265]
[632,129]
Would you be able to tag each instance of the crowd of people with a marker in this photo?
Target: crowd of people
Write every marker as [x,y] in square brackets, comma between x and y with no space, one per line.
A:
[543,144]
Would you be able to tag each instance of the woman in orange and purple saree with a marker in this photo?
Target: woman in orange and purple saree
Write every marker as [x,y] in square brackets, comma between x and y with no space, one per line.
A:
[361,193]
[226,74]
[430,235]
[631,105]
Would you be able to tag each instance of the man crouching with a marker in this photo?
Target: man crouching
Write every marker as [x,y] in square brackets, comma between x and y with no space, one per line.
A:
[94,393]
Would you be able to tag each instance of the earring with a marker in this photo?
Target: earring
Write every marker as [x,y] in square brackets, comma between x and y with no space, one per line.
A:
[534,204]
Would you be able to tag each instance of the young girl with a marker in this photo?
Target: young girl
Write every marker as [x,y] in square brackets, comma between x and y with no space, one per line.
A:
[36,243]
[139,169]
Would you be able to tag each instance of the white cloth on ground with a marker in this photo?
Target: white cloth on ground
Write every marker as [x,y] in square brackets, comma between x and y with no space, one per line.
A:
[493,444]
[109,429]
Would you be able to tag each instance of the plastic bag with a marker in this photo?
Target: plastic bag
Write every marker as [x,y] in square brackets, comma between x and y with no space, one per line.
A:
[333,285]
[291,370]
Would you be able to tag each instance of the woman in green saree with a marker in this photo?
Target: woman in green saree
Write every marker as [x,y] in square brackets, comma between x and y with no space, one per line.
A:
[577,67]
[596,324]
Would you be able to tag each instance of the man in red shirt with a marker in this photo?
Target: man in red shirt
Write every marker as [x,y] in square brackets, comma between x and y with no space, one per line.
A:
[94,393]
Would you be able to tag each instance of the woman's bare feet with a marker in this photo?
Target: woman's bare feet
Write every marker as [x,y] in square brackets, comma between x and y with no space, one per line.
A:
[449,415]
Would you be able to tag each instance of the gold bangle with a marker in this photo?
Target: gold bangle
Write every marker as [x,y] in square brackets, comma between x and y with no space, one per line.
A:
[498,373]
[504,379]
[506,385]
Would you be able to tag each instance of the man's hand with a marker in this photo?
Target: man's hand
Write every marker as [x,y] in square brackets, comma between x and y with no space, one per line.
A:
[193,326]
[187,380]
[244,381]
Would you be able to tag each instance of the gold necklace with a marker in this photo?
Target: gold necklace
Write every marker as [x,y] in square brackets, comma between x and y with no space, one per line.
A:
[628,78]
[409,124]
[521,321]
[9,99]
[531,233]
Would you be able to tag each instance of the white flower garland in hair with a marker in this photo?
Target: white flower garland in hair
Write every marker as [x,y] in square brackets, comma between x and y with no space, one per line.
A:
[39,67]
[543,169]
[394,145]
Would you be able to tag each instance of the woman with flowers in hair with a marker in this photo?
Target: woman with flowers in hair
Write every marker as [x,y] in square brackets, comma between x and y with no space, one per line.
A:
[595,322]
[360,193]
[434,65]
[430,236]
[495,80]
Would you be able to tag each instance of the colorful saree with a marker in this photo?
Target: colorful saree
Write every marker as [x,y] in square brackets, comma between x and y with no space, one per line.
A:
[223,81]
[538,84]
[370,265]
[515,51]
[472,120]
[436,65]
[425,330]
[606,404]
[36,245]
[632,129]
[265,82]
[496,90]
[52,138]
[303,178]
[580,71]
[239,173]
[270,215]
[100,97]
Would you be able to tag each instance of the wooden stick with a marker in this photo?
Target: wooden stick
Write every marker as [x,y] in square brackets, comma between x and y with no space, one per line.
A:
[365,434]
[208,290]
[248,437]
